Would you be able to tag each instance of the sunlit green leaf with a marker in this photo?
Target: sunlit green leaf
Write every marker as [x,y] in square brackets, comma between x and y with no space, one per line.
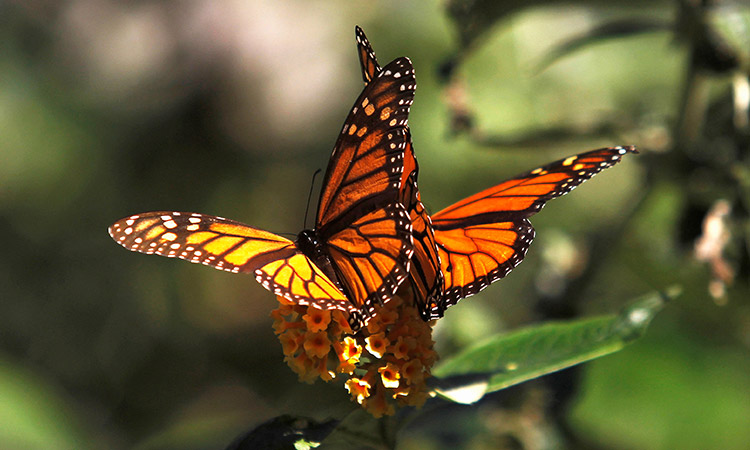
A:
[529,353]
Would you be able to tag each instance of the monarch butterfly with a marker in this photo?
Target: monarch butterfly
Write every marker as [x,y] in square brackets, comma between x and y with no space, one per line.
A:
[463,248]
[358,253]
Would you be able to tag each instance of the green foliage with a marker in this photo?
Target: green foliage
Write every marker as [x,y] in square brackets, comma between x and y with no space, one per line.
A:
[34,414]
[506,360]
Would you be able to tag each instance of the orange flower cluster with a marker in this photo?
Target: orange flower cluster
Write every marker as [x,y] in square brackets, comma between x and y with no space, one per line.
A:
[386,362]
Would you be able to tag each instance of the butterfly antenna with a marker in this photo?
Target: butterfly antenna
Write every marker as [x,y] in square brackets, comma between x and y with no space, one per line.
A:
[309,196]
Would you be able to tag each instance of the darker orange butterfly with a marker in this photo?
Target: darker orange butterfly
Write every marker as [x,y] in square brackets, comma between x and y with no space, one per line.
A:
[359,251]
[462,249]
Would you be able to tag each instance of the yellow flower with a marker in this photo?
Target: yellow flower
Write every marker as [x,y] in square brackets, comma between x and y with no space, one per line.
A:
[389,375]
[358,389]
[283,310]
[339,323]
[290,341]
[280,326]
[300,364]
[401,391]
[388,316]
[374,325]
[376,344]
[346,367]
[413,371]
[413,397]
[348,350]
[323,372]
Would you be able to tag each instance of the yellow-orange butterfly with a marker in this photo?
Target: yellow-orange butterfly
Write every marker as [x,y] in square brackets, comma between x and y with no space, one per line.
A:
[359,251]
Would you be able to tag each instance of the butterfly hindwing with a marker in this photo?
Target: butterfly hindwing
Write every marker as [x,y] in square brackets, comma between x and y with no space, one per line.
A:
[365,261]
[474,256]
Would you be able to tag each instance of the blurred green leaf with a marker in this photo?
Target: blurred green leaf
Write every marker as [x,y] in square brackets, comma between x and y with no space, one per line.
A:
[609,30]
[532,352]
[731,23]
[33,414]
[473,18]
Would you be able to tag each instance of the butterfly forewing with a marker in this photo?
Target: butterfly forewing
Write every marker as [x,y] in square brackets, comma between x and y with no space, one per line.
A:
[366,231]
[367,161]
[484,236]
[526,194]
[214,241]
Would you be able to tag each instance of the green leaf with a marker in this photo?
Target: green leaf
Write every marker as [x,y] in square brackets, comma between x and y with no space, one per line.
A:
[510,359]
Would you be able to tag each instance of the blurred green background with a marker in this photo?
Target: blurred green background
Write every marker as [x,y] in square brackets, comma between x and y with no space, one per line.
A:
[113,108]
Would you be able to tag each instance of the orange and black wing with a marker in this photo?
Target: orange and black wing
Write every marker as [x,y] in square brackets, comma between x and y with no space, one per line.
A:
[425,282]
[483,237]
[360,220]
[234,247]
[367,161]
[371,257]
